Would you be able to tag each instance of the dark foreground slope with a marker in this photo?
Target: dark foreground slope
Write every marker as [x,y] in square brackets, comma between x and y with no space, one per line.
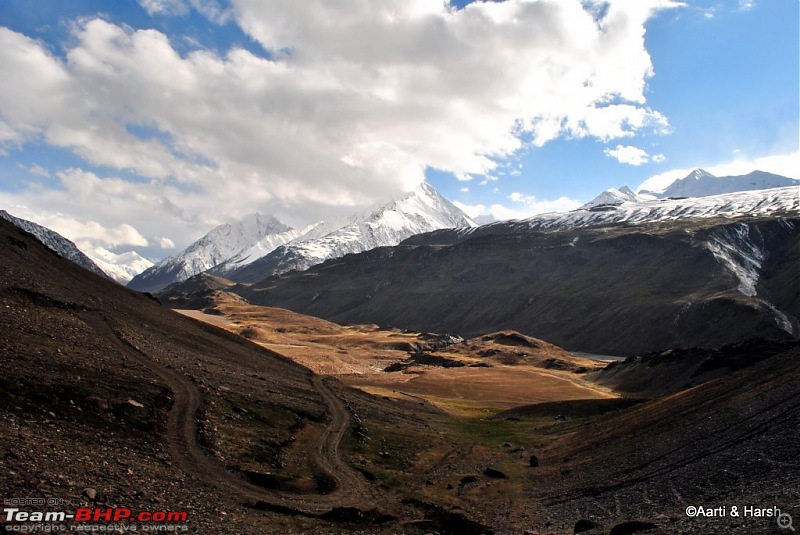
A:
[617,290]
[108,398]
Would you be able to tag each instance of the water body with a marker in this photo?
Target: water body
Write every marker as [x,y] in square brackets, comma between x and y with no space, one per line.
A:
[601,358]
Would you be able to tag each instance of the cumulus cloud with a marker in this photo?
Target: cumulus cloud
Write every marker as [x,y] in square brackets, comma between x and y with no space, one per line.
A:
[781,164]
[338,115]
[166,243]
[631,155]
[90,234]
[628,154]
[114,213]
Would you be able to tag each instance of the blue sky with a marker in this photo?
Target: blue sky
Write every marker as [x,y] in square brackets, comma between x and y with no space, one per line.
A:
[139,125]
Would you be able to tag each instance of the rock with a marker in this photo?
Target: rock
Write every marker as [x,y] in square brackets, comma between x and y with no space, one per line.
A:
[585,525]
[634,526]
[469,479]
[100,403]
[240,410]
[90,493]
[495,474]
[533,462]
[530,532]
[134,403]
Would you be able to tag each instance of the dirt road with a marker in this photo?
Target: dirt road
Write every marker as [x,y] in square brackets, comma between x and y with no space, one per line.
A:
[181,437]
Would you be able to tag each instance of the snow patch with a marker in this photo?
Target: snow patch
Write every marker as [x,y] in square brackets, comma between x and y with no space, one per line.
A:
[735,248]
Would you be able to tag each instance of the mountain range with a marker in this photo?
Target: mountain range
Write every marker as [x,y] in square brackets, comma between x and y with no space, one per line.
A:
[614,289]
[260,246]
[701,183]
[624,207]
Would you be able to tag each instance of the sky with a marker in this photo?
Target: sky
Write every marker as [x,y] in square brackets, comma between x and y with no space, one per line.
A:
[140,125]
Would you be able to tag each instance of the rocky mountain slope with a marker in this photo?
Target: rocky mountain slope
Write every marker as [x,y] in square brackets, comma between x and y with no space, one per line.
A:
[84,357]
[617,289]
[55,242]
[259,247]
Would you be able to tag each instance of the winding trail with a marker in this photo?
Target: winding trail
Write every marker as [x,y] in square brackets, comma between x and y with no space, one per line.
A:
[351,489]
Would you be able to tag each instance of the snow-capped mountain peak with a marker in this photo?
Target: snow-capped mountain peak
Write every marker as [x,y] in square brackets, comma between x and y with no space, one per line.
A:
[701,183]
[612,197]
[698,174]
[120,267]
[220,244]
[421,210]
[259,246]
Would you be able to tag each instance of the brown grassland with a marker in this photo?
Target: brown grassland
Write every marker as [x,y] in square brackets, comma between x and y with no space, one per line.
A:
[489,373]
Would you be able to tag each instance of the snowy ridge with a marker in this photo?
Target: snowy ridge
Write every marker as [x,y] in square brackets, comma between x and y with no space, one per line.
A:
[422,210]
[612,197]
[120,267]
[775,202]
[701,183]
[223,242]
[768,202]
[260,246]
[55,242]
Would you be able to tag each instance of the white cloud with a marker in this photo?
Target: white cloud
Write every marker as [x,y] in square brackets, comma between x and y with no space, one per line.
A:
[531,205]
[628,154]
[780,164]
[523,206]
[90,234]
[213,10]
[166,243]
[472,210]
[164,7]
[635,156]
[38,170]
[346,113]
